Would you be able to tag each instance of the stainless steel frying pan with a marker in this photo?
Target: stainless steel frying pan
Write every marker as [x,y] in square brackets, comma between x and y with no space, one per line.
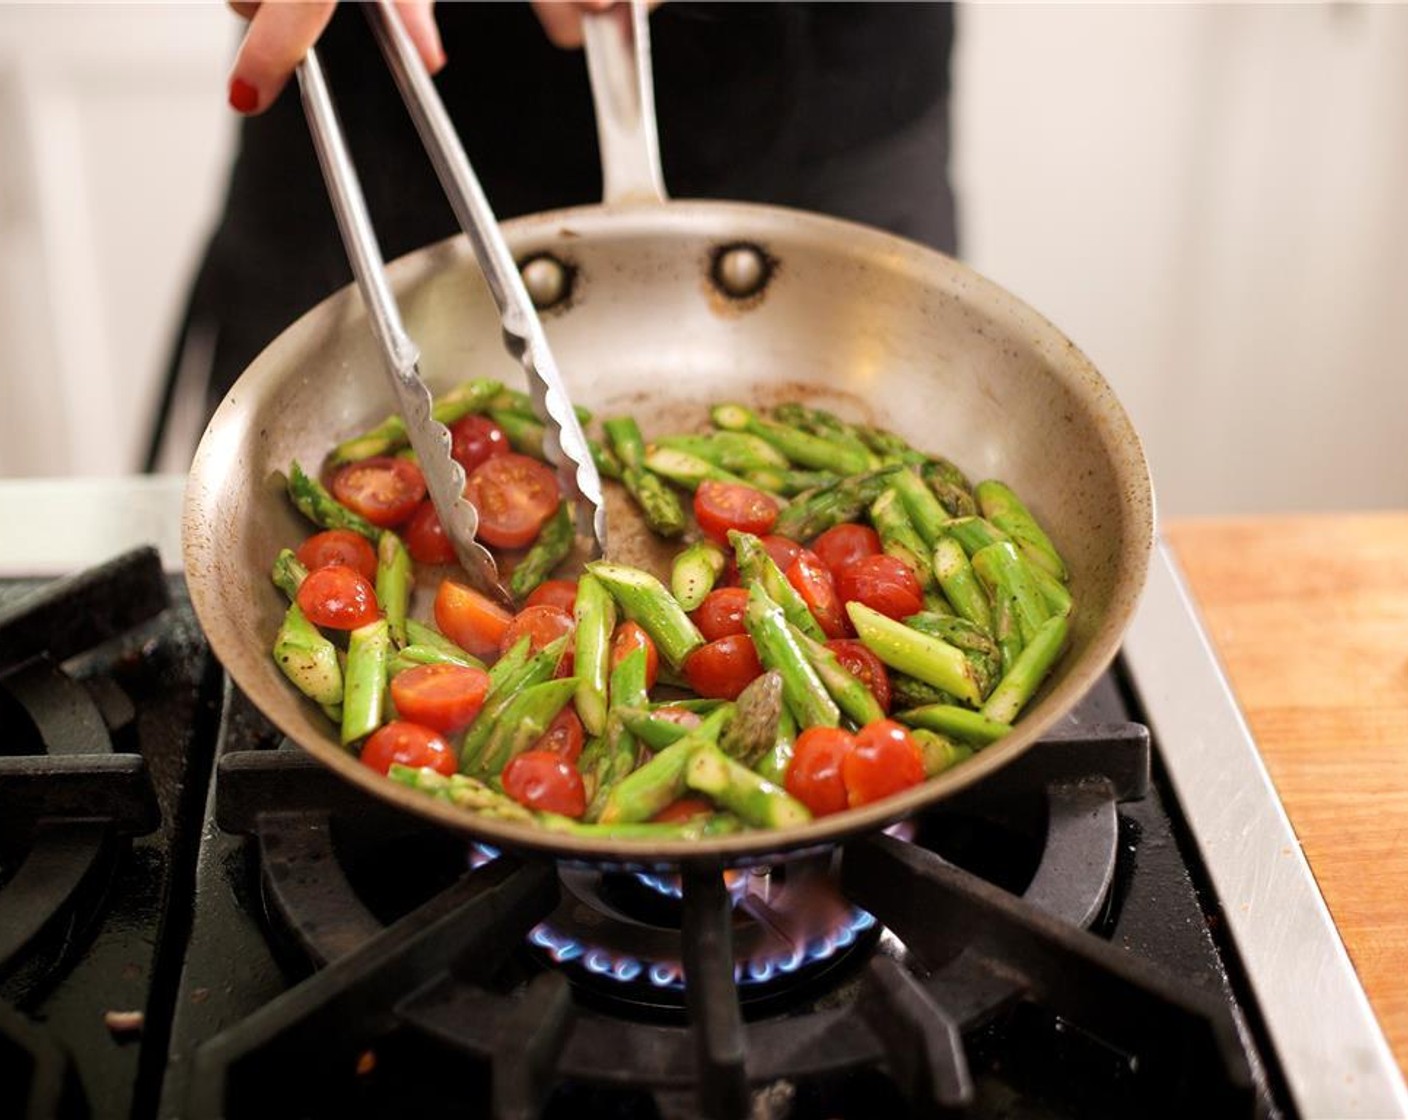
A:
[659,318]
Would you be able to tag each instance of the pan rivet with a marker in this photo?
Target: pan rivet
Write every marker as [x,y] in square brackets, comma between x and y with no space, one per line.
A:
[546,280]
[741,270]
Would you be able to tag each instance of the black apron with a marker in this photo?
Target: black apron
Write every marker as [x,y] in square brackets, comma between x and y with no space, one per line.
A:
[836,108]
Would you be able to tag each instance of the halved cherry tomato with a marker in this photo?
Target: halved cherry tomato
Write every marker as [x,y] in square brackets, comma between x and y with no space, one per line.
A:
[813,582]
[474,439]
[514,496]
[554,593]
[857,660]
[685,809]
[410,744]
[721,669]
[385,491]
[842,545]
[426,539]
[338,597]
[883,583]
[444,697]
[814,774]
[564,736]
[783,550]
[886,759]
[472,621]
[541,624]
[546,781]
[338,546]
[721,506]
[721,613]
[631,635]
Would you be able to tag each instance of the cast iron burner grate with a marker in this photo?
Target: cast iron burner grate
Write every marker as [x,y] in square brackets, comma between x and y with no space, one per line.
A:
[436,1001]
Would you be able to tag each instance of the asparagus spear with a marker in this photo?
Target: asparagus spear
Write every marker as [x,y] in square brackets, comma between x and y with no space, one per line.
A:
[756,566]
[549,550]
[694,572]
[777,649]
[525,431]
[809,515]
[825,425]
[775,760]
[307,658]
[662,509]
[891,448]
[949,486]
[504,685]
[654,731]
[753,728]
[315,503]
[643,599]
[911,692]
[733,451]
[958,723]
[790,483]
[394,577]
[1027,672]
[899,539]
[716,824]
[925,513]
[618,753]
[961,587]
[504,672]
[409,656]
[1000,505]
[419,634]
[800,447]
[517,401]
[686,470]
[522,722]
[1007,576]
[940,752]
[978,646]
[973,533]
[754,799]
[645,791]
[464,791]
[364,685]
[288,573]
[1057,596]
[390,435]
[595,613]
[851,694]
[930,659]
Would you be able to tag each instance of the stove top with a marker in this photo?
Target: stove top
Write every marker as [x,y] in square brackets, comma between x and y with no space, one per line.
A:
[197,920]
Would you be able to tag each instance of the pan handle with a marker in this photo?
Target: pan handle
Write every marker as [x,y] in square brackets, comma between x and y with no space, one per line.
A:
[617,43]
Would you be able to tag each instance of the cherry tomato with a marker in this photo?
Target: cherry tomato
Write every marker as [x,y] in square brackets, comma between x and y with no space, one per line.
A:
[813,582]
[814,774]
[685,809]
[475,439]
[541,624]
[338,597]
[514,496]
[472,621]
[721,613]
[782,550]
[629,636]
[338,546]
[554,593]
[721,506]
[842,545]
[443,697]
[426,539]
[857,660]
[886,759]
[385,491]
[410,744]
[721,669]
[883,583]
[564,736]
[547,781]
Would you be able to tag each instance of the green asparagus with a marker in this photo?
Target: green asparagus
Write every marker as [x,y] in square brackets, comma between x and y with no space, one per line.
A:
[394,579]
[644,599]
[364,681]
[595,614]
[940,752]
[523,721]
[1007,576]
[753,728]
[646,790]
[1000,505]
[288,573]
[739,452]
[684,469]
[930,659]
[756,566]
[1027,672]
[777,649]
[658,503]
[307,658]
[312,500]
[757,801]
[694,572]
[812,514]
[852,696]
[552,547]
[801,448]
[390,435]
[960,585]
[957,723]
[949,486]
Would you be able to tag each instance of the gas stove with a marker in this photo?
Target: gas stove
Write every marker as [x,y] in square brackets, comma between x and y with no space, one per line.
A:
[197,920]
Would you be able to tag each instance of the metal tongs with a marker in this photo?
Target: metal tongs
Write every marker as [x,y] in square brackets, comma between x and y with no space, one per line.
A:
[564,443]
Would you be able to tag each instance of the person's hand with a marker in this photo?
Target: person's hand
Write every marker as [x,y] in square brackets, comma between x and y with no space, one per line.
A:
[280,33]
[562,19]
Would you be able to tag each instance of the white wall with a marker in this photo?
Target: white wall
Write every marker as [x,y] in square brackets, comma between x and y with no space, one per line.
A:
[1212,201]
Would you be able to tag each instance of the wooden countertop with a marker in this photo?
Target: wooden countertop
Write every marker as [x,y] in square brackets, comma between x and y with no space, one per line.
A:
[1309,617]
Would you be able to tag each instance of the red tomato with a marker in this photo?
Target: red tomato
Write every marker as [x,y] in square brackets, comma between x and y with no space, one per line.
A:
[514,496]
[883,583]
[444,697]
[721,506]
[842,545]
[814,774]
[721,669]
[564,736]
[782,550]
[472,621]
[554,593]
[410,744]
[857,660]
[338,546]
[338,597]
[383,490]
[547,781]
[685,809]
[886,759]
[629,636]
[813,582]
[426,539]
[474,439]
[721,613]
[541,624]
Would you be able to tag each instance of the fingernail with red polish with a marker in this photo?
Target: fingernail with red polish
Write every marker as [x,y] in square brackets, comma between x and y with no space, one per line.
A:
[244,98]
